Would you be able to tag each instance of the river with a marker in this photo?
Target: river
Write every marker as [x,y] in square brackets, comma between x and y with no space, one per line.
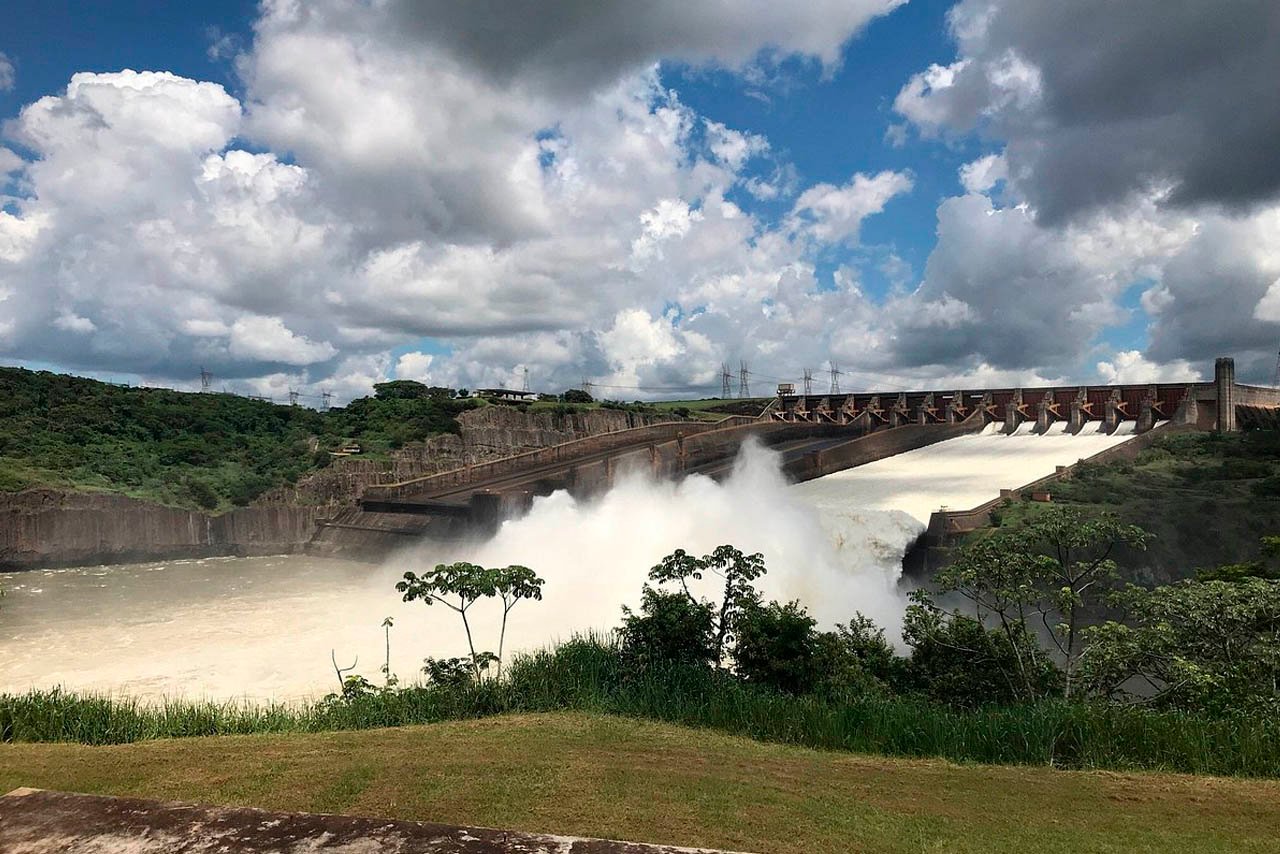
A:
[266,628]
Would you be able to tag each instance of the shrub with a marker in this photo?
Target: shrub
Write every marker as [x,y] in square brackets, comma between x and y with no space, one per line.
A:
[202,493]
[670,628]
[957,661]
[1268,487]
[776,645]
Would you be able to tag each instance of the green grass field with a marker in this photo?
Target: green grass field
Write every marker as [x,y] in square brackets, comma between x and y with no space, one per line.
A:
[595,775]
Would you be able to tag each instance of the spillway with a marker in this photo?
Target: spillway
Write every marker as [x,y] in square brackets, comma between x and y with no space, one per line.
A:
[264,627]
[959,473]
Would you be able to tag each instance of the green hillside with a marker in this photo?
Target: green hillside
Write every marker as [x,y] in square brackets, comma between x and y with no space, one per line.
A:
[209,451]
[1207,499]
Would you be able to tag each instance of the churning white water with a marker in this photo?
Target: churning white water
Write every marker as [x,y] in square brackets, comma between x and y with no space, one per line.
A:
[264,627]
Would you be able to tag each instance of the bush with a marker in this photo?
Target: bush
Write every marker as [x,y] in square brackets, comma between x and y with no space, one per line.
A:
[593,676]
[778,647]
[202,493]
[670,628]
[1245,469]
[957,661]
[1268,487]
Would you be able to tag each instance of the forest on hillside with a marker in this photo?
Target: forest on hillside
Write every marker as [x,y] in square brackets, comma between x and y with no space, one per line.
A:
[1206,499]
[207,451]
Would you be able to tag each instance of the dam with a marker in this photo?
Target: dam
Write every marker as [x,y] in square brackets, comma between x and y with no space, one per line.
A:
[813,435]
[265,627]
[832,506]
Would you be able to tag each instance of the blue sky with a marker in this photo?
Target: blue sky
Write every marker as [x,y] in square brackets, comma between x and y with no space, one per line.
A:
[335,196]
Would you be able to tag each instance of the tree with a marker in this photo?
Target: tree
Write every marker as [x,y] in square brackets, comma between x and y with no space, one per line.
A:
[460,585]
[457,586]
[1199,645]
[202,493]
[577,395]
[866,645]
[1268,566]
[1046,569]
[400,390]
[513,584]
[736,569]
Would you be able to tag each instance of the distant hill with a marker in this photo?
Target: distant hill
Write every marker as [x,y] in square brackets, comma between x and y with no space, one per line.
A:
[207,451]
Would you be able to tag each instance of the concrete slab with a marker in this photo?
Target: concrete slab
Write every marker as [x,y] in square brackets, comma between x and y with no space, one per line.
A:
[36,821]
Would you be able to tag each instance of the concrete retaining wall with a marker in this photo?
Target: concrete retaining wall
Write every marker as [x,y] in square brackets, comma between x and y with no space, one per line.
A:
[44,528]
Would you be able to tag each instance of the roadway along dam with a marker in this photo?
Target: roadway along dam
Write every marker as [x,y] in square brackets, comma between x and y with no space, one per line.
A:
[264,627]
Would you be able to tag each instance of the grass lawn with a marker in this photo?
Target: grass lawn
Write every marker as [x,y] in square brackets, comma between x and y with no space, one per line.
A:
[592,775]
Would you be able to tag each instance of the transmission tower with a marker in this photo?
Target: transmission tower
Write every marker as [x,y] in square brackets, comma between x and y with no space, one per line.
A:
[744,380]
[525,387]
[293,397]
[835,378]
[325,397]
[808,381]
[726,381]
[206,380]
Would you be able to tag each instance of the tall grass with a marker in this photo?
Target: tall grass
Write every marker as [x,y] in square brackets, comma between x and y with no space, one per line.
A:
[588,675]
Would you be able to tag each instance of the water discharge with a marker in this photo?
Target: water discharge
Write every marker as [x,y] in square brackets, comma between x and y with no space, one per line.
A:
[264,627]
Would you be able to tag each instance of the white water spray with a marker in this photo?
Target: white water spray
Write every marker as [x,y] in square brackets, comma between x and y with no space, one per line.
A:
[596,555]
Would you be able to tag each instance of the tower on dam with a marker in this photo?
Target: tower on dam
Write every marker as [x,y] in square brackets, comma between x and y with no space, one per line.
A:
[1224,380]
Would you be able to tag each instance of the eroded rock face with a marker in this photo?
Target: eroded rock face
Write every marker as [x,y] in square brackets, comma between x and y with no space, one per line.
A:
[486,434]
[33,821]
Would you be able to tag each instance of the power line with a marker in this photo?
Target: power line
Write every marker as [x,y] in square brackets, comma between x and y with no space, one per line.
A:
[653,387]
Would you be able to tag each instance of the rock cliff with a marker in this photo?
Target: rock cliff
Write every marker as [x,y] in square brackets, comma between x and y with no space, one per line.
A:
[485,434]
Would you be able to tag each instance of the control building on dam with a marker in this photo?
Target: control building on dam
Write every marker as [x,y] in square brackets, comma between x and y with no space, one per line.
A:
[814,435]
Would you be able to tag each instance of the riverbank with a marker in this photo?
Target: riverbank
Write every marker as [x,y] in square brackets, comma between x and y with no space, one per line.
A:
[589,676]
[599,775]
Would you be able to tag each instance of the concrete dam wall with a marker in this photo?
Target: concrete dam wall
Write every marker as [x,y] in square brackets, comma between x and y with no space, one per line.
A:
[49,528]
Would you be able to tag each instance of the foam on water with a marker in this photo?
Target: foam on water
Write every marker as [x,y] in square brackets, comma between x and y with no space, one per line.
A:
[264,627]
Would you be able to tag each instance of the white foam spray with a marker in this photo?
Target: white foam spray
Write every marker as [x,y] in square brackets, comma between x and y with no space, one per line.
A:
[595,555]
